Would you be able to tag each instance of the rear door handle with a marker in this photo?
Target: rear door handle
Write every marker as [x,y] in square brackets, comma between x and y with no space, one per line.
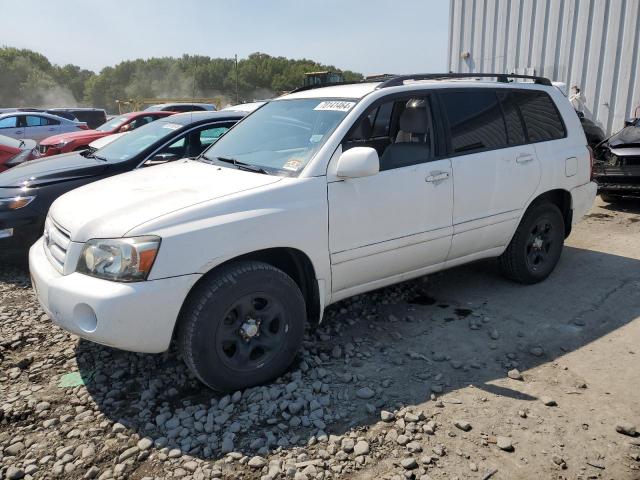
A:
[436,177]
[18,132]
[524,158]
[52,129]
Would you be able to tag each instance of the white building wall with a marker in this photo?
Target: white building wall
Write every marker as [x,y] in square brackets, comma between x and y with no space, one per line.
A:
[593,44]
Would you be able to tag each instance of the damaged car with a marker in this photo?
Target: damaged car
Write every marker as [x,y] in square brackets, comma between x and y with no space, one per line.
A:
[617,165]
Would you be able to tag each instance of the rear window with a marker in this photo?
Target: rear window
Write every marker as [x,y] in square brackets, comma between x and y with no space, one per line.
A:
[475,120]
[540,115]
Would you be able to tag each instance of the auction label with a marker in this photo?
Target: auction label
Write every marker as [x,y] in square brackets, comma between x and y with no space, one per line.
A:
[335,105]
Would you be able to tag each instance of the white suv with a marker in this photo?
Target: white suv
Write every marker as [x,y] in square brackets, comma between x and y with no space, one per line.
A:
[318,195]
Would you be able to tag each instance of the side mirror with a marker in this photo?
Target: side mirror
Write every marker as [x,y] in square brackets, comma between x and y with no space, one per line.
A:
[580,114]
[630,122]
[124,128]
[358,162]
[162,158]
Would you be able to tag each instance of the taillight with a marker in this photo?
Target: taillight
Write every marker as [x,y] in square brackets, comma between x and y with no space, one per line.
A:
[591,158]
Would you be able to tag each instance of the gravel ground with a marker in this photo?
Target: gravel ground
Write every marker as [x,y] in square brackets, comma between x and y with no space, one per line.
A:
[463,375]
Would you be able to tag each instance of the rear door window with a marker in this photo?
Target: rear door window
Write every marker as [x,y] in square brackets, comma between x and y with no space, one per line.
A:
[541,117]
[513,121]
[475,120]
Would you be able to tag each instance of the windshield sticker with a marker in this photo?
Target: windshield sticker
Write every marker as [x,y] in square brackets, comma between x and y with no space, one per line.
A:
[336,106]
[316,138]
[172,126]
[293,164]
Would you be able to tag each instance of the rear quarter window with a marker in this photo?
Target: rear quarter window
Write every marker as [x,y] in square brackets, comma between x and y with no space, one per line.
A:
[541,117]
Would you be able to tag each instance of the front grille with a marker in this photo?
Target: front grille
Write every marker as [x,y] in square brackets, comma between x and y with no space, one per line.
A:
[42,149]
[56,243]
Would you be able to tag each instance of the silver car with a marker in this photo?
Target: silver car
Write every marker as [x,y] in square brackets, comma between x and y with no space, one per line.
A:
[36,125]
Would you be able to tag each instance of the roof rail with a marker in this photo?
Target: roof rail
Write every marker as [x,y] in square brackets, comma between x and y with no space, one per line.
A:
[501,77]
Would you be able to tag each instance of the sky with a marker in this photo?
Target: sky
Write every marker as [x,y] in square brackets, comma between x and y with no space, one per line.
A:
[367,36]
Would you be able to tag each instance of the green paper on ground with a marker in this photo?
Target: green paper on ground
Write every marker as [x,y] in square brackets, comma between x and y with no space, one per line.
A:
[72,379]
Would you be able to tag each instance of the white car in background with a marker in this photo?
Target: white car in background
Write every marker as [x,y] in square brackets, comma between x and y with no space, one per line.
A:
[36,125]
[317,196]
[102,141]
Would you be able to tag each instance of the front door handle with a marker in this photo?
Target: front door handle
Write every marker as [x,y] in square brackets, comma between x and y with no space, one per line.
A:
[18,132]
[524,158]
[52,129]
[436,177]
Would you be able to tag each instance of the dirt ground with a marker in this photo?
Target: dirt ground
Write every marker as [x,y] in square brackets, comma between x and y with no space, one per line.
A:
[406,382]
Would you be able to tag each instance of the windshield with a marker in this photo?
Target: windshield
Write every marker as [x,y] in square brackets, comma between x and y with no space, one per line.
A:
[131,144]
[283,135]
[113,123]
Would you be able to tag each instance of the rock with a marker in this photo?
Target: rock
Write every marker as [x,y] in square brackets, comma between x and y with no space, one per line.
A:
[514,374]
[409,463]
[386,416]
[414,447]
[624,428]
[145,443]
[361,448]
[365,393]
[402,440]
[504,443]
[190,466]
[411,417]
[118,428]
[347,444]
[473,467]
[128,453]
[14,473]
[14,449]
[522,413]
[439,450]
[227,445]
[536,351]
[462,425]
[493,333]
[548,401]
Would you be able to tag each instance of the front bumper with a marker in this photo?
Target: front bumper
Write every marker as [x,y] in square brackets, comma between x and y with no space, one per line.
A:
[582,199]
[20,231]
[138,317]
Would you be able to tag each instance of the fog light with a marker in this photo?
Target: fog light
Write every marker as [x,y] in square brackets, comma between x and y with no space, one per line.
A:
[85,318]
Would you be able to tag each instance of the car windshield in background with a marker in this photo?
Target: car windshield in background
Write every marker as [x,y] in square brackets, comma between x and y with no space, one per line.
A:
[112,124]
[131,144]
[283,135]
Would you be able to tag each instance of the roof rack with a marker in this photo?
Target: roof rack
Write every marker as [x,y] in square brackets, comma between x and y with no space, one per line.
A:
[501,77]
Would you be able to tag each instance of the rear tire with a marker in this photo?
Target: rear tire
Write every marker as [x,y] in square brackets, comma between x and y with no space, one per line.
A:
[243,326]
[607,197]
[536,246]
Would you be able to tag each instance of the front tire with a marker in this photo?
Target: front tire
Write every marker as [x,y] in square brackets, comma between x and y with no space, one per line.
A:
[536,246]
[243,326]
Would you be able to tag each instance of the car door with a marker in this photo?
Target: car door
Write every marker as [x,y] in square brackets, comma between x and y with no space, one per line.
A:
[397,223]
[38,127]
[10,126]
[495,171]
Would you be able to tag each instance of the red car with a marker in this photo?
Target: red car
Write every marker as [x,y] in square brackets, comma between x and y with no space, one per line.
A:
[69,142]
[14,152]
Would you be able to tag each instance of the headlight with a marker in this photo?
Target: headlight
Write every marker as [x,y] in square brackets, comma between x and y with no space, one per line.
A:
[119,259]
[60,144]
[16,202]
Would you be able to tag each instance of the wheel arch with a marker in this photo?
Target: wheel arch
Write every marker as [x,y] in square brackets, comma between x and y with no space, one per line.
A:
[293,262]
[560,198]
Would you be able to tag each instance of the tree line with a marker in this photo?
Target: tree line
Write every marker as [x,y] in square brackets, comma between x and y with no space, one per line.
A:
[29,79]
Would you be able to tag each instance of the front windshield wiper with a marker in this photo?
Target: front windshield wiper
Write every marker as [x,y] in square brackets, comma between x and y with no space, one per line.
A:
[92,154]
[243,166]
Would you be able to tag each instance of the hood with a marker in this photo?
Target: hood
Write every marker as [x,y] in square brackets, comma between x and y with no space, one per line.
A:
[110,208]
[80,134]
[54,169]
[627,137]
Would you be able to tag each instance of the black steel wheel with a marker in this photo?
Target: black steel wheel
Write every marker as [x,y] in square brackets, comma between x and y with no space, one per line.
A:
[242,326]
[536,246]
